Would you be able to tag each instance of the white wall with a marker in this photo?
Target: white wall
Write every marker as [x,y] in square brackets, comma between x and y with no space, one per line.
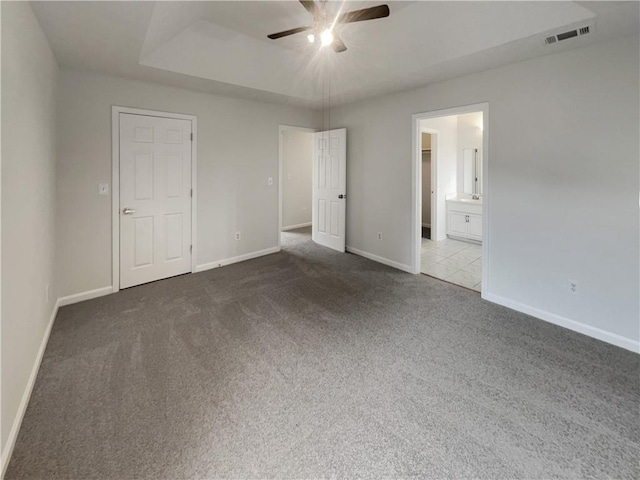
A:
[297,169]
[469,136]
[29,75]
[562,191]
[444,151]
[233,194]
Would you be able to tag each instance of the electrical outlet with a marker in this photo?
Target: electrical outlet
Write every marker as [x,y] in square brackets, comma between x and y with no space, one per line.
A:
[304,209]
[237,235]
[270,181]
[573,286]
[103,189]
[289,177]
[379,235]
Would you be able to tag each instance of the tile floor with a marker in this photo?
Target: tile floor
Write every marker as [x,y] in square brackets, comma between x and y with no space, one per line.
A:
[453,261]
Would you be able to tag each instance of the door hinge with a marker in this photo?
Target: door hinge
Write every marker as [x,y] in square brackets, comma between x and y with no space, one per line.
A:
[190,248]
[192,137]
[191,193]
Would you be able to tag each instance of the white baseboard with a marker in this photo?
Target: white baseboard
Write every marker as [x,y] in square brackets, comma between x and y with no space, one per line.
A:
[612,338]
[426,225]
[293,227]
[24,402]
[376,258]
[82,296]
[239,258]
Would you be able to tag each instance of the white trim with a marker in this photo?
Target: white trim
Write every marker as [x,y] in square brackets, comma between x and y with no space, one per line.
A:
[416,184]
[426,225]
[88,295]
[115,199]
[194,193]
[24,402]
[376,258]
[597,333]
[281,129]
[293,227]
[9,444]
[115,183]
[239,258]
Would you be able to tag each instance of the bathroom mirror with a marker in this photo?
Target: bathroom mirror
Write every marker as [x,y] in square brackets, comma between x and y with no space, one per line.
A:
[472,171]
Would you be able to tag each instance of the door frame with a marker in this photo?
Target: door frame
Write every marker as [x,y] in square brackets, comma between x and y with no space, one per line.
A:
[281,130]
[115,183]
[416,184]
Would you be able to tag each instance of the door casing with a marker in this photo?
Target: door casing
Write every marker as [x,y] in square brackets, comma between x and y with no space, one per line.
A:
[115,184]
[416,183]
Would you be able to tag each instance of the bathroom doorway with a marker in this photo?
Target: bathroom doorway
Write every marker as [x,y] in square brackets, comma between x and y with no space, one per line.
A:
[450,173]
[295,183]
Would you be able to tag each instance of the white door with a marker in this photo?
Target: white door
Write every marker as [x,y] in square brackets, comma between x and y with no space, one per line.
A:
[329,188]
[155,198]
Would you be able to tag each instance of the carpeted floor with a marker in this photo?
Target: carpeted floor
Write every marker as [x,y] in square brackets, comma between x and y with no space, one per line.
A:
[310,363]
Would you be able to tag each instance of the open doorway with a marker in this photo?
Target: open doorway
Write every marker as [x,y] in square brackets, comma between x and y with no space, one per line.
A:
[296,182]
[449,193]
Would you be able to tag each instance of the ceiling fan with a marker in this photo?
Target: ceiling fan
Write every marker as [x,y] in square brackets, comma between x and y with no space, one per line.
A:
[323,23]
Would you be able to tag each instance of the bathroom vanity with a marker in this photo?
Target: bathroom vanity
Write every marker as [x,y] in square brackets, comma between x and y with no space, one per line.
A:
[464,217]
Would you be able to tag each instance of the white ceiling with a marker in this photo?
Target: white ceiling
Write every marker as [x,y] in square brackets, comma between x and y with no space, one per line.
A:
[222,47]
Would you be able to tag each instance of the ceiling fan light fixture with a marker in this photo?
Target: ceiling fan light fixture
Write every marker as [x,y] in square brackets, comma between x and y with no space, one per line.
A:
[326,37]
[323,24]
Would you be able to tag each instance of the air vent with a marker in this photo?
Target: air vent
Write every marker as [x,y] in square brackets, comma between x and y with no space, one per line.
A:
[558,37]
[566,35]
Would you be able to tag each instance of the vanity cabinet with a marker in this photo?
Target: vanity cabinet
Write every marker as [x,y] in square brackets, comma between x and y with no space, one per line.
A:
[464,220]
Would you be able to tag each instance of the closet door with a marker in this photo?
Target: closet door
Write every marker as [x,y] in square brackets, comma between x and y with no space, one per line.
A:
[155,198]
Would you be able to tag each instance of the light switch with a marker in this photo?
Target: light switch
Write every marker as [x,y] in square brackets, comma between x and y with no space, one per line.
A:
[270,181]
[103,189]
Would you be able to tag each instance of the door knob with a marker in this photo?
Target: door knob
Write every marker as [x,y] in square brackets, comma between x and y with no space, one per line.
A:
[342,196]
[128,211]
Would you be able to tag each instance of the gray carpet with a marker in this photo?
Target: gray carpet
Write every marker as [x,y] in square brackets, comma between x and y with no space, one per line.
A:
[310,363]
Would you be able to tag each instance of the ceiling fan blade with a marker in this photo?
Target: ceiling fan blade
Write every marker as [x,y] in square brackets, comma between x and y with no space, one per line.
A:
[311,6]
[337,44]
[372,13]
[286,33]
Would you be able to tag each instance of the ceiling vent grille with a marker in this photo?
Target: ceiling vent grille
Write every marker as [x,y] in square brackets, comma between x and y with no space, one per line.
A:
[559,37]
